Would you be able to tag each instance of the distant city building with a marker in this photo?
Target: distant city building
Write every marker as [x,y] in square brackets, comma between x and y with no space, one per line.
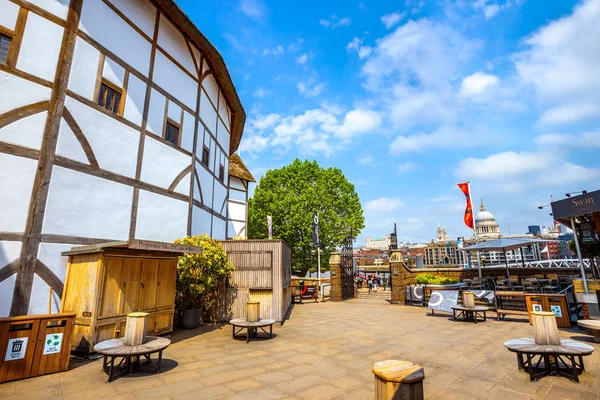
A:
[534,230]
[486,227]
[442,236]
[446,253]
[380,243]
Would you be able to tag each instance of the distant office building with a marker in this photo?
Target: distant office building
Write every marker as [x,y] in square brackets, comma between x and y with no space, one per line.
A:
[534,230]
[380,243]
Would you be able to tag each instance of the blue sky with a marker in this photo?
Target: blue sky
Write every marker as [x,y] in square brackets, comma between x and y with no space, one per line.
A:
[410,97]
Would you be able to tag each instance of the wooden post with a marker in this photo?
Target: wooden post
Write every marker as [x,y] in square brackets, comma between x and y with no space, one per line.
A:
[135,330]
[398,380]
[252,311]
[546,329]
[469,299]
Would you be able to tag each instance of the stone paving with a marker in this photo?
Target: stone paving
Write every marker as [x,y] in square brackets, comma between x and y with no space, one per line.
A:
[324,351]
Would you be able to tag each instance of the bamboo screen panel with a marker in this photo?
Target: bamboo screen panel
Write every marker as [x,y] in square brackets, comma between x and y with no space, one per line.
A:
[253,269]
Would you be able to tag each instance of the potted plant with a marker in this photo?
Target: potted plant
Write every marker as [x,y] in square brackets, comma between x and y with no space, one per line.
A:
[198,276]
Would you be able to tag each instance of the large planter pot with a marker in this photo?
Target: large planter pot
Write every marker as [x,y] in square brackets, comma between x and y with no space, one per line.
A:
[191,318]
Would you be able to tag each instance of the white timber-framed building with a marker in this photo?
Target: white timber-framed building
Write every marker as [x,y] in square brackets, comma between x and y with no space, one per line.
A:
[117,121]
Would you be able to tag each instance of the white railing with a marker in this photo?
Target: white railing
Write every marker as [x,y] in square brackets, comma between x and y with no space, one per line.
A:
[568,263]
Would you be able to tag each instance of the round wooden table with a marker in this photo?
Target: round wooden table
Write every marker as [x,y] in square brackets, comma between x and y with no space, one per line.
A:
[569,352]
[116,348]
[470,314]
[252,327]
[593,325]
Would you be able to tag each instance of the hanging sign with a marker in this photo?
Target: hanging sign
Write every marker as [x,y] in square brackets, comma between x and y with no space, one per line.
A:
[53,343]
[16,349]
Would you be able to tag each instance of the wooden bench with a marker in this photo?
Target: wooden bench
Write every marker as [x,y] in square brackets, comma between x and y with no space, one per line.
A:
[510,303]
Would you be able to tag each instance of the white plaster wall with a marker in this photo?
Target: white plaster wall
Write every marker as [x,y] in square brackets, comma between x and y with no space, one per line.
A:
[236,182]
[7,288]
[161,164]
[197,193]
[49,254]
[16,180]
[183,186]
[38,302]
[223,135]
[208,113]
[141,13]
[174,112]
[22,92]
[237,211]
[114,144]
[134,103]
[60,8]
[156,113]
[84,205]
[237,195]
[176,82]
[187,131]
[212,89]
[201,221]
[9,251]
[204,66]
[82,79]
[27,132]
[8,14]
[206,183]
[224,110]
[121,39]
[113,72]
[171,40]
[220,194]
[161,218]
[218,231]
[68,145]
[40,47]
[236,228]
[196,53]
[201,140]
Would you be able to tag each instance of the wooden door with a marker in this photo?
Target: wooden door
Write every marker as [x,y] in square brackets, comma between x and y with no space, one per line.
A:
[149,285]
[112,292]
[165,295]
[132,276]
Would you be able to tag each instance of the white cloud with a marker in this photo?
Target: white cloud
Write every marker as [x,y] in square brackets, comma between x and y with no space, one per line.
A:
[583,140]
[444,137]
[477,83]
[503,165]
[365,160]
[491,8]
[356,45]
[311,88]
[359,121]
[276,51]
[562,62]
[389,20]
[260,93]
[407,167]
[253,9]
[303,58]
[383,205]
[335,22]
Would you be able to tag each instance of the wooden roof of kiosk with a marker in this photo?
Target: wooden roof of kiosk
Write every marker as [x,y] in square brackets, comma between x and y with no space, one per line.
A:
[238,169]
[216,64]
[145,245]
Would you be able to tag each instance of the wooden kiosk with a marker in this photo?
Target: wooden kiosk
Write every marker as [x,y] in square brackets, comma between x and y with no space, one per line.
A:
[105,282]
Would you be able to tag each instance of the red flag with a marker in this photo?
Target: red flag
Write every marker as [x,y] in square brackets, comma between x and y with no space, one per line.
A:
[469,210]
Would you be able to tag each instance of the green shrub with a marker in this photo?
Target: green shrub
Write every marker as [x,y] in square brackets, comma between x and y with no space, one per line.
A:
[431,279]
[198,275]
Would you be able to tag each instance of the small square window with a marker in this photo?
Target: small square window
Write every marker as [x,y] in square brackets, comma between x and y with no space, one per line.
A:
[221,172]
[109,98]
[205,156]
[172,133]
[4,46]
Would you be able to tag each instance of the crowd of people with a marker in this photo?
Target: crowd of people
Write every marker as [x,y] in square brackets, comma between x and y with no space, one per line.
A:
[373,281]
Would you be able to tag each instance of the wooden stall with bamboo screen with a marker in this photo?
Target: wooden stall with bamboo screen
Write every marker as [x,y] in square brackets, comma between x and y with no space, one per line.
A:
[262,273]
[106,282]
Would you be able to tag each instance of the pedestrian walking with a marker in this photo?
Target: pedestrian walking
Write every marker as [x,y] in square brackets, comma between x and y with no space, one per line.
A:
[384,283]
[370,284]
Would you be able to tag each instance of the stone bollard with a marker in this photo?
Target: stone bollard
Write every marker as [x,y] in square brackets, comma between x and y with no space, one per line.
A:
[546,329]
[468,299]
[398,380]
[252,311]
[135,330]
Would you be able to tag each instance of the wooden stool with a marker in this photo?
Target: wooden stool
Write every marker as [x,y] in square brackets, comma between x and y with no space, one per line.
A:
[546,329]
[135,330]
[253,311]
[398,380]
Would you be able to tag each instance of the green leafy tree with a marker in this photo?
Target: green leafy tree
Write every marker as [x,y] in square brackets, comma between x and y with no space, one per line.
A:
[290,195]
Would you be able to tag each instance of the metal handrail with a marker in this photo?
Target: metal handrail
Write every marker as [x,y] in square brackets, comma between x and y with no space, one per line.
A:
[565,289]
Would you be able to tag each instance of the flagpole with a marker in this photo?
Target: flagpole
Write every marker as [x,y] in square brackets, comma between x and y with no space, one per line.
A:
[474,229]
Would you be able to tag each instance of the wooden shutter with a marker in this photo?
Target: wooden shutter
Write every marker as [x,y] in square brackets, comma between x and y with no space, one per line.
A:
[113,287]
[165,295]
[132,274]
[149,285]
